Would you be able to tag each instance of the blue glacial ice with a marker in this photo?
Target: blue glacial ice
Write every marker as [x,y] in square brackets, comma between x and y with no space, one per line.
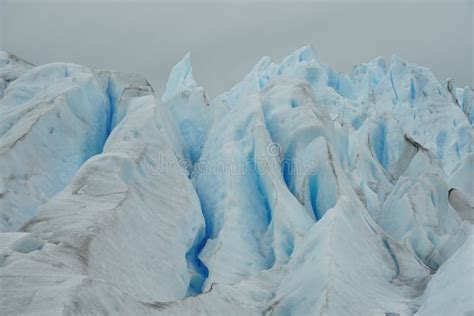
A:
[299,191]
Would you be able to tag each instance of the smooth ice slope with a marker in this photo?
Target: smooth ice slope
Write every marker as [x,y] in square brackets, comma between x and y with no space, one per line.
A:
[300,191]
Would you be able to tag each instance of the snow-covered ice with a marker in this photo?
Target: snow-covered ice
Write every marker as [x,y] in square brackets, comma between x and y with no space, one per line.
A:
[300,191]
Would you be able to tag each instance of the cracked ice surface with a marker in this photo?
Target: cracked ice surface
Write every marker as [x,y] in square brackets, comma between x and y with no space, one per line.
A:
[300,191]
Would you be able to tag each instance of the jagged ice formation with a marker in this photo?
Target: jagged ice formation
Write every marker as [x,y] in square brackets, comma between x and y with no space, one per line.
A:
[300,191]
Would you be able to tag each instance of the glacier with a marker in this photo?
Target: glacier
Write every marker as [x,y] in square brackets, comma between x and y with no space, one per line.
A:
[299,191]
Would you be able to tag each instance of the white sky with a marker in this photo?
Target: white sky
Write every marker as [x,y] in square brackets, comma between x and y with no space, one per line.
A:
[227,38]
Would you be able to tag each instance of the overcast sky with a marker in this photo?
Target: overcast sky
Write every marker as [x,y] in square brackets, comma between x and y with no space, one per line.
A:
[227,38]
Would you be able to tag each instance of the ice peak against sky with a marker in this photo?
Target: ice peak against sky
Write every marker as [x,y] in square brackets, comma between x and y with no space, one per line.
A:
[149,37]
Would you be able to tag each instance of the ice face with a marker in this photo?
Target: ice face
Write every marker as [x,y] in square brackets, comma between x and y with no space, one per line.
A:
[54,117]
[299,191]
[188,106]
[452,282]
